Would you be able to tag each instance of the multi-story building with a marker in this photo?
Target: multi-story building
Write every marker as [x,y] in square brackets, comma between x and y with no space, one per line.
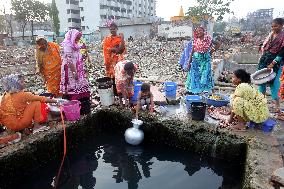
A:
[262,14]
[88,14]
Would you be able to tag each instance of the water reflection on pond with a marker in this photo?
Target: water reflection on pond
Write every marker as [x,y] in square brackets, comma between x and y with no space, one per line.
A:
[111,163]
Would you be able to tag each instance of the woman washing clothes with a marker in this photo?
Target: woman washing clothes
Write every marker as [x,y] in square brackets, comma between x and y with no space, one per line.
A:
[20,109]
[74,85]
[145,98]
[271,58]
[247,103]
[199,77]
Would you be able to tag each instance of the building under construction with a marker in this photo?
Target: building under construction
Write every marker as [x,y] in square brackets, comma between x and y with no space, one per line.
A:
[261,14]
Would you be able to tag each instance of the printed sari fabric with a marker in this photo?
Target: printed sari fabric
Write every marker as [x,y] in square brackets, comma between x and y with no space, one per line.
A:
[270,51]
[48,64]
[122,80]
[79,88]
[199,77]
[249,104]
[280,57]
[111,59]
[21,108]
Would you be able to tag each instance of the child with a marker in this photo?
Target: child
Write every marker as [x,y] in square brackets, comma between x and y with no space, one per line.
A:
[247,103]
[145,97]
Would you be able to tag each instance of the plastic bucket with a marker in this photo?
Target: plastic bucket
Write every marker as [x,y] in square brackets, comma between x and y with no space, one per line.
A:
[106,96]
[268,125]
[71,110]
[85,106]
[137,89]
[170,90]
[192,98]
[105,91]
[198,111]
[104,82]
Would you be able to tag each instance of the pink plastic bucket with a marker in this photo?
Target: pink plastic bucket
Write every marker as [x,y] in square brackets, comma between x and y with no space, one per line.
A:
[71,110]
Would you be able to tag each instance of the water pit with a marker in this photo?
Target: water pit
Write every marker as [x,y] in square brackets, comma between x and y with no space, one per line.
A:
[174,154]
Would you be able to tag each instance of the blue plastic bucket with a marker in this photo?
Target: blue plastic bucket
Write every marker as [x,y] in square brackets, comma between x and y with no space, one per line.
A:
[268,125]
[137,89]
[171,90]
[192,98]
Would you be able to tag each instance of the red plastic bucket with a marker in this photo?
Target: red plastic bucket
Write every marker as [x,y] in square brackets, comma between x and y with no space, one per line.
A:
[71,110]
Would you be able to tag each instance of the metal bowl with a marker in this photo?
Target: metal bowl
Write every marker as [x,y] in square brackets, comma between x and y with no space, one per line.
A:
[263,76]
[54,109]
[218,103]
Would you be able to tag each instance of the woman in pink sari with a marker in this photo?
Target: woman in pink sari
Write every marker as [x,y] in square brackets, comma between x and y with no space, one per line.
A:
[74,85]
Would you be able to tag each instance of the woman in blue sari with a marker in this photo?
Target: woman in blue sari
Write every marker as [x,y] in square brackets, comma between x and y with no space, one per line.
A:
[197,60]
[272,57]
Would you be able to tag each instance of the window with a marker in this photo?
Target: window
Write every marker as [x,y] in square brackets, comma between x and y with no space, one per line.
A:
[83,18]
[68,11]
[81,8]
[73,11]
[83,27]
[74,2]
[81,0]
[67,2]
[75,20]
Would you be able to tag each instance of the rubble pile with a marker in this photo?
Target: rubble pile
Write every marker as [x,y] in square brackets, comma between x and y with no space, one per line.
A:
[18,59]
[157,61]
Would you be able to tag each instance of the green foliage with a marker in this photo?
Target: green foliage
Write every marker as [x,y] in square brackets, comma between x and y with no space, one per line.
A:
[219,27]
[209,8]
[29,10]
[2,24]
[53,13]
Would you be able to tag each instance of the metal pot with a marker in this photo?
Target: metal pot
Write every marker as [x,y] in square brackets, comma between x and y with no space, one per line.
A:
[263,76]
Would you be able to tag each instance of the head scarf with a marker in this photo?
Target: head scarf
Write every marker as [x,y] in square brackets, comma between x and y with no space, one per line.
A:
[12,83]
[201,45]
[274,46]
[70,38]
[40,37]
[110,22]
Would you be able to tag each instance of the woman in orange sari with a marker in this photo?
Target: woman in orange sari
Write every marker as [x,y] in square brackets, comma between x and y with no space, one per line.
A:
[113,49]
[18,109]
[48,64]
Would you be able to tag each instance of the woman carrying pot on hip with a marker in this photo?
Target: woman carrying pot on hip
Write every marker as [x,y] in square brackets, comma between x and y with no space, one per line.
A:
[270,58]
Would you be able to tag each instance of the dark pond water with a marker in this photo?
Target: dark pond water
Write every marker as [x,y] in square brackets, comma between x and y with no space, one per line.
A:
[109,163]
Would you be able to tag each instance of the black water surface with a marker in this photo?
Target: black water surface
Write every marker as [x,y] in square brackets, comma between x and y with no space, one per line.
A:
[109,163]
